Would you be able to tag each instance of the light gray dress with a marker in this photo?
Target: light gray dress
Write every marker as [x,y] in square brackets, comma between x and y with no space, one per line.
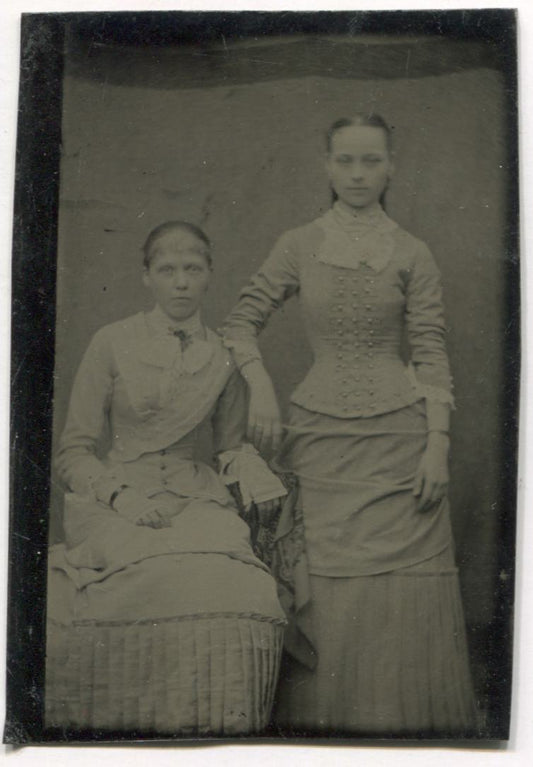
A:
[379,601]
[177,630]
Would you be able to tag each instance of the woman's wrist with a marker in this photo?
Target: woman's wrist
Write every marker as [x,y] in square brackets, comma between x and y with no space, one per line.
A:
[438,417]
[254,372]
[438,439]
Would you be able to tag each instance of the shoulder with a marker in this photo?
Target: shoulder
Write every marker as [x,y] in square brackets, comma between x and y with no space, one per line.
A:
[302,237]
[119,331]
[409,243]
[413,252]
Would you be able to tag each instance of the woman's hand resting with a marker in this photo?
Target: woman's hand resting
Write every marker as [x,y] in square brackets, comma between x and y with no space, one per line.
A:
[264,418]
[431,480]
[140,510]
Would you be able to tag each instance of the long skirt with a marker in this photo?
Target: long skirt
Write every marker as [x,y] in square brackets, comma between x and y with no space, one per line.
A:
[382,607]
[176,644]
[391,657]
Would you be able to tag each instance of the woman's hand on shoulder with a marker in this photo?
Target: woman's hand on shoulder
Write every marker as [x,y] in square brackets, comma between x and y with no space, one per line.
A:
[140,510]
[432,477]
[264,417]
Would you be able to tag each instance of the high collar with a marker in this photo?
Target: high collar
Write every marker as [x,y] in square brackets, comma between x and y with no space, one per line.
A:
[372,216]
[356,237]
[160,322]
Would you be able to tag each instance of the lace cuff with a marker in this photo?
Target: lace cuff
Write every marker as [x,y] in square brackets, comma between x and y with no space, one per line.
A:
[256,482]
[429,392]
[242,352]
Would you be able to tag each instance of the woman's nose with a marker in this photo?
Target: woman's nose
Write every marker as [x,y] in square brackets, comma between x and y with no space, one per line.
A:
[357,171]
[180,280]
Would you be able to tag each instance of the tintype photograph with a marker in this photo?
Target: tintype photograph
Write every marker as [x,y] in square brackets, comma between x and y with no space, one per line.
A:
[265,365]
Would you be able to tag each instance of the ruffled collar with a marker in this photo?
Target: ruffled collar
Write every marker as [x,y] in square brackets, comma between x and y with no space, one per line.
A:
[357,237]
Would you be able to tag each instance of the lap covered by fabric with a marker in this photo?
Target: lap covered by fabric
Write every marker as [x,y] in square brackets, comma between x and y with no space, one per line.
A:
[168,641]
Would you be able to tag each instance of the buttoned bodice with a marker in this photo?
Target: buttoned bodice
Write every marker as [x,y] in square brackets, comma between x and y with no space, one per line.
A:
[354,322]
[357,304]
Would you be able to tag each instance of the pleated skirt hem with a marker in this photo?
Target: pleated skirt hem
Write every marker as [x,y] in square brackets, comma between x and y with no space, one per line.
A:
[212,675]
[391,657]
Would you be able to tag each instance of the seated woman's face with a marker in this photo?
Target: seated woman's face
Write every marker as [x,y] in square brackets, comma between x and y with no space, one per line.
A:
[178,274]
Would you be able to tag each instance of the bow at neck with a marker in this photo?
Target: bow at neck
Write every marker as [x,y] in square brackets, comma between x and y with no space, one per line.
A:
[180,345]
[161,324]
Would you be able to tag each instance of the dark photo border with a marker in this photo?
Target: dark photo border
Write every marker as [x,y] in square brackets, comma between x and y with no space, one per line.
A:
[34,299]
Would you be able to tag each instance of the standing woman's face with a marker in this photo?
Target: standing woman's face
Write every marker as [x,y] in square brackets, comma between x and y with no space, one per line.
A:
[359,165]
[178,274]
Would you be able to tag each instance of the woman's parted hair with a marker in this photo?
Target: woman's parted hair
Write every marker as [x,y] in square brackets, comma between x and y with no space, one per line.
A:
[170,226]
[370,120]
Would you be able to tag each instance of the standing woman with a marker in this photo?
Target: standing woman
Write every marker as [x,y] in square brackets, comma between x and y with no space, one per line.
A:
[367,437]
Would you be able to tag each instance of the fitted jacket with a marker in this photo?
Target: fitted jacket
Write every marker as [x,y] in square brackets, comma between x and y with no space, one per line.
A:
[154,394]
[365,286]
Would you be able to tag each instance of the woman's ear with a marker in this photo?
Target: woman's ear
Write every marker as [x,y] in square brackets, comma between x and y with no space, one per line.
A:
[145,278]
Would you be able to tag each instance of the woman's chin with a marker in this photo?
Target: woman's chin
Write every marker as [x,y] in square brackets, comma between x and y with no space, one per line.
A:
[358,201]
[180,309]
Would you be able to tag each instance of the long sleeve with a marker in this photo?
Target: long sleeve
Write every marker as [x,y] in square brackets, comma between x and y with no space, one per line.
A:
[426,329]
[77,462]
[229,417]
[275,282]
[238,460]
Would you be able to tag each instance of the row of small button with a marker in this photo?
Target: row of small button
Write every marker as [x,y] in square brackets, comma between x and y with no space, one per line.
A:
[346,327]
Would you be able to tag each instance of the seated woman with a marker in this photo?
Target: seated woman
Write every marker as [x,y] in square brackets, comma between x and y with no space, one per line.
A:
[160,617]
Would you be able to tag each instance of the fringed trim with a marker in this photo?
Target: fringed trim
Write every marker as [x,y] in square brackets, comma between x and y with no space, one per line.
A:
[173,619]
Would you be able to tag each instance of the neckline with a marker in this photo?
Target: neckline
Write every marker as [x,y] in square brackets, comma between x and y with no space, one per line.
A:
[160,322]
[353,241]
[373,216]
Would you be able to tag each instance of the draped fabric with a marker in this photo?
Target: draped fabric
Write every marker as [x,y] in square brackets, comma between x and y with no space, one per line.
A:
[376,641]
[356,479]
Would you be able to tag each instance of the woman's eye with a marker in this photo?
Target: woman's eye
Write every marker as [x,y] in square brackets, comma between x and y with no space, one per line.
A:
[166,270]
[372,160]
